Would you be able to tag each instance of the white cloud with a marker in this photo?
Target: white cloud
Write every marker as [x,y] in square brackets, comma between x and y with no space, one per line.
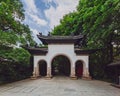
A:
[32,12]
[31,7]
[53,14]
[64,7]
[48,1]
[35,33]
[38,20]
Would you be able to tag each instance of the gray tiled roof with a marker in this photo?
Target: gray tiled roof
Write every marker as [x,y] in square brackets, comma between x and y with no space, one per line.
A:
[115,63]
[60,39]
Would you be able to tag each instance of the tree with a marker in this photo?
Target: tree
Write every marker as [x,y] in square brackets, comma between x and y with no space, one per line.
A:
[99,21]
[68,25]
[12,31]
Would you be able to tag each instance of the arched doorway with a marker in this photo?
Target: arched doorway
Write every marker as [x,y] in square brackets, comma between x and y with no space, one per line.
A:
[61,65]
[79,68]
[42,68]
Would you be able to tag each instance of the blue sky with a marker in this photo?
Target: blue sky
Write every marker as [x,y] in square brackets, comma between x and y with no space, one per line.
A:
[43,15]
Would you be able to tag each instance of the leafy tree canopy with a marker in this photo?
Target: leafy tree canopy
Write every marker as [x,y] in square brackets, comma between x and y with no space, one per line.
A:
[18,55]
[97,19]
[12,31]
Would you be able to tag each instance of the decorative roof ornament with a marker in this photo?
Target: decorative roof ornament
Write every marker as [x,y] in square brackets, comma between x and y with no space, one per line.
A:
[40,33]
[72,34]
[60,39]
[49,34]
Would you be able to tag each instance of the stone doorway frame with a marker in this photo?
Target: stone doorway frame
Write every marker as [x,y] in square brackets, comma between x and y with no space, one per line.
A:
[41,65]
[82,64]
[63,56]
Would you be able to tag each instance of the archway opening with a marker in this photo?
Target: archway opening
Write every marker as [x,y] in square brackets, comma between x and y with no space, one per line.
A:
[42,68]
[79,68]
[61,66]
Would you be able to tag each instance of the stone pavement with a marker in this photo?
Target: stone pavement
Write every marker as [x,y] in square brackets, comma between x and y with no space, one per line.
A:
[59,86]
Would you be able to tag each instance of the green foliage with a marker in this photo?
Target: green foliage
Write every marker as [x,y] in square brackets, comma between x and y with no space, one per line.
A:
[13,33]
[12,71]
[98,20]
[18,54]
[18,67]
[68,25]
[12,30]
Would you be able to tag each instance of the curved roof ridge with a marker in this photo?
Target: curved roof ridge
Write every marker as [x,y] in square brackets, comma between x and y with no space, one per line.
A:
[60,39]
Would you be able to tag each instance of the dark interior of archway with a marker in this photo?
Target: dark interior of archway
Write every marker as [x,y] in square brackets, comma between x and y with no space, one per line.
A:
[61,66]
[79,69]
[43,68]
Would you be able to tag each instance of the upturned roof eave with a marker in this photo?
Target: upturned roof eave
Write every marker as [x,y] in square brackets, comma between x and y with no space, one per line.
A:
[114,64]
[59,39]
[37,51]
[85,51]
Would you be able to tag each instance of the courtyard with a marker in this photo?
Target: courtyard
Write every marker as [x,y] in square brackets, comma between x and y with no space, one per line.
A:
[58,86]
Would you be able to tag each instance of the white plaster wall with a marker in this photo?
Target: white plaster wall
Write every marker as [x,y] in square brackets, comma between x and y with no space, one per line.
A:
[84,59]
[63,49]
[38,58]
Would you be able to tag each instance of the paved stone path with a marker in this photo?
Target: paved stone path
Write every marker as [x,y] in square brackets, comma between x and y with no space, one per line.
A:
[59,86]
